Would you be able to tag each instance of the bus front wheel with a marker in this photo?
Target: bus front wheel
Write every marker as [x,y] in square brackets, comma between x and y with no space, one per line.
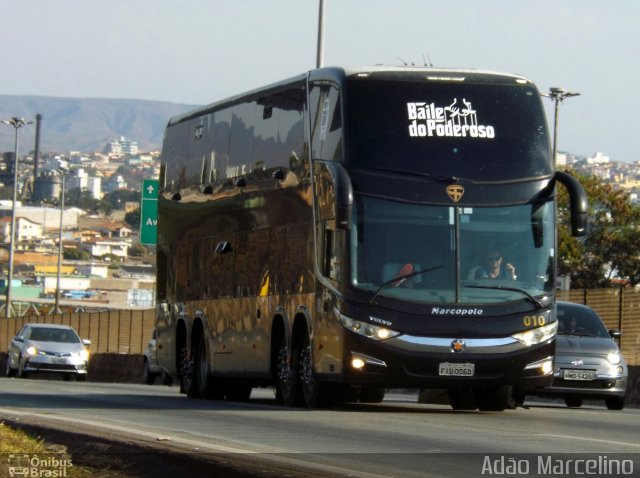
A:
[315,392]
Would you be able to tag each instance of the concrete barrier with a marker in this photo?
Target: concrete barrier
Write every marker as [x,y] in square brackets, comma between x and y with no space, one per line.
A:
[110,367]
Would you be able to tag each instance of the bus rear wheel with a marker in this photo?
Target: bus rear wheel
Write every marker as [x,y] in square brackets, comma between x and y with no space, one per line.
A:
[288,378]
[195,373]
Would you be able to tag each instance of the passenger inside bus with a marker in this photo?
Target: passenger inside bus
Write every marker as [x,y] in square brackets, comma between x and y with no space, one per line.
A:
[398,270]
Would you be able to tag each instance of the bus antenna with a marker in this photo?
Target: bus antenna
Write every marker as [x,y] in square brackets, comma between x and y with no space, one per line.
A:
[405,63]
[425,60]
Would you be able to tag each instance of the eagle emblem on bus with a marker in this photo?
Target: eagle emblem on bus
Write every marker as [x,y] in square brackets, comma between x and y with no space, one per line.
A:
[455,192]
[458,345]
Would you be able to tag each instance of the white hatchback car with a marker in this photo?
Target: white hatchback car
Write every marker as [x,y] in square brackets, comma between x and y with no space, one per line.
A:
[48,348]
[588,362]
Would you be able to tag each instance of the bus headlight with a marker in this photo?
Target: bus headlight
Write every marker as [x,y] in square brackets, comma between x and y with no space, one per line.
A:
[371,331]
[537,335]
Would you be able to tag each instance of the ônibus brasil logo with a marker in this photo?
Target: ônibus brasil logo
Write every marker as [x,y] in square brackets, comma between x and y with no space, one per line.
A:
[457,120]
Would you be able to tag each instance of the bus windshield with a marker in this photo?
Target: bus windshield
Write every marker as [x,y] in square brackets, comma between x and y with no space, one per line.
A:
[451,254]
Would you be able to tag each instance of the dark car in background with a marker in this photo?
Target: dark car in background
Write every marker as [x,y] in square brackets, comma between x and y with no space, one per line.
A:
[588,362]
[48,348]
[152,369]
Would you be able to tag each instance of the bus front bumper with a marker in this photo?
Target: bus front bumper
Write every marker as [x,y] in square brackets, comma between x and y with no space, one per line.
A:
[440,362]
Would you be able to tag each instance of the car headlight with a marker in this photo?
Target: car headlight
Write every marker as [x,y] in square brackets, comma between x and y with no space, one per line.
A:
[84,354]
[614,358]
[32,350]
[368,330]
[537,335]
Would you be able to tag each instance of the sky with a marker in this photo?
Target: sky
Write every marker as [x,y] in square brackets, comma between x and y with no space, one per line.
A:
[201,51]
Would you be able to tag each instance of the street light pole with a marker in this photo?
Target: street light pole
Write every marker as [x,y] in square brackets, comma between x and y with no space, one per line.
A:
[16,123]
[320,46]
[557,95]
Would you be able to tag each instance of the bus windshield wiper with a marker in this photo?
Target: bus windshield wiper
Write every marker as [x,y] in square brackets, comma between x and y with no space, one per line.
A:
[401,278]
[535,301]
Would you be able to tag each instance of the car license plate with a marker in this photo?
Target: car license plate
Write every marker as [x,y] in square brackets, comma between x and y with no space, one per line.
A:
[456,369]
[579,375]
[59,361]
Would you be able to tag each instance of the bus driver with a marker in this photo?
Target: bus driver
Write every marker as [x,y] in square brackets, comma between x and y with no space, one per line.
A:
[494,268]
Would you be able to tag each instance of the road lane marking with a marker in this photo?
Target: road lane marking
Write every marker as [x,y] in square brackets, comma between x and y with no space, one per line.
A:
[198,446]
[572,437]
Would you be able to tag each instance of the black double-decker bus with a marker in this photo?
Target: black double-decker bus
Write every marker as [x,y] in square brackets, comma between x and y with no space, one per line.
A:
[348,231]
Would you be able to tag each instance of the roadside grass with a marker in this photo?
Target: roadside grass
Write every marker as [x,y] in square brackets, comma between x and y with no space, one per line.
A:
[15,443]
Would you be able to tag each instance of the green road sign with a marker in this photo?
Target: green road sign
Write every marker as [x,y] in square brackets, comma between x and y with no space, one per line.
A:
[149,212]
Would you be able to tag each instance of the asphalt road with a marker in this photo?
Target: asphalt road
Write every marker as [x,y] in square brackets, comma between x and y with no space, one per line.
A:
[396,438]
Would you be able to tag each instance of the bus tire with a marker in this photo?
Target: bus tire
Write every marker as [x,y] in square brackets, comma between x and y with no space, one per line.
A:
[494,399]
[462,398]
[315,393]
[288,378]
[371,395]
[187,379]
[204,383]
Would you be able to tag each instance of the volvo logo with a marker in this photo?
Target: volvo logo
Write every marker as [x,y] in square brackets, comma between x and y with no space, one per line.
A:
[458,345]
[455,192]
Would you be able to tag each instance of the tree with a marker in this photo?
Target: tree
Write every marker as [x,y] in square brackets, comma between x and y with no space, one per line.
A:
[76,254]
[83,199]
[137,250]
[133,218]
[120,197]
[612,244]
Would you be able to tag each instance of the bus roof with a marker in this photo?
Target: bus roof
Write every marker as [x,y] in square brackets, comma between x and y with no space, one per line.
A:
[337,74]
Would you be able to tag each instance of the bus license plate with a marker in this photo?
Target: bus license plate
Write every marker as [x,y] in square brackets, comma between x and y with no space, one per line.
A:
[579,375]
[456,369]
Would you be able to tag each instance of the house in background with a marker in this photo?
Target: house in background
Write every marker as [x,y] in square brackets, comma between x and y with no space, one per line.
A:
[26,229]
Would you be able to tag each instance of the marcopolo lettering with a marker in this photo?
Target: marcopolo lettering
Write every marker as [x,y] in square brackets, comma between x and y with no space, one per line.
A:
[456,311]
[457,120]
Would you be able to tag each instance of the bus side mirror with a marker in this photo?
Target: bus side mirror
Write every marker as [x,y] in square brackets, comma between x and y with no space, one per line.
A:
[578,203]
[335,191]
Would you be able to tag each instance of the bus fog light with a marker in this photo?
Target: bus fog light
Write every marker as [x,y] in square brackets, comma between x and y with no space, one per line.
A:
[547,367]
[544,366]
[357,363]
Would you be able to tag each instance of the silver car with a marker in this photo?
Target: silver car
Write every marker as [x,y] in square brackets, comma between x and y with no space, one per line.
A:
[588,362]
[48,348]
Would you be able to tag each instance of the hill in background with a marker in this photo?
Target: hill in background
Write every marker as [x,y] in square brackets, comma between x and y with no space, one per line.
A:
[86,125]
